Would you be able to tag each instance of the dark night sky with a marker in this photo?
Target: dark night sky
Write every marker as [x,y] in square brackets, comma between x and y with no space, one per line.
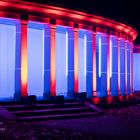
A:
[126,11]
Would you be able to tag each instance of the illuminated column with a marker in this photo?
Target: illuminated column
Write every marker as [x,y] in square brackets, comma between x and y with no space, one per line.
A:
[17,63]
[128,67]
[103,64]
[131,68]
[89,63]
[108,65]
[132,57]
[82,61]
[53,60]
[118,66]
[61,61]
[70,83]
[23,58]
[114,66]
[76,60]
[46,61]
[126,83]
[98,63]
[122,67]
[94,63]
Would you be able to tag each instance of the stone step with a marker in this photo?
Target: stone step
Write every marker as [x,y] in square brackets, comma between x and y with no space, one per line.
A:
[23,105]
[42,110]
[51,111]
[42,106]
[41,101]
[59,116]
[47,110]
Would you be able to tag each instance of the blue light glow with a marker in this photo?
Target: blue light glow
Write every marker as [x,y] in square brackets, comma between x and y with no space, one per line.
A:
[100,53]
[110,58]
[35,59]
[82,61]
[7,60]
[85,48]
[61,60]
[66,53]
[136,71]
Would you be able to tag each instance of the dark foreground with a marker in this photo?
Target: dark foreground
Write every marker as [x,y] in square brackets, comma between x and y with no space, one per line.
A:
[116,124]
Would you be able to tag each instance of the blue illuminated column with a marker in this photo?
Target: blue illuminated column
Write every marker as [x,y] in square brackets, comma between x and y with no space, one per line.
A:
[46,61]
[17,62]
[70,83]
[114,66]
[101,61]
[128,67]
[104,45]
[89,63]
[85,62]
[35,59]
[136,68]
[122,67]
[82,48]
[61,60]
[9,65]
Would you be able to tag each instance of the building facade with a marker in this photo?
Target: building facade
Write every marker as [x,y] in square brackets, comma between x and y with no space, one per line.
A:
[49,51]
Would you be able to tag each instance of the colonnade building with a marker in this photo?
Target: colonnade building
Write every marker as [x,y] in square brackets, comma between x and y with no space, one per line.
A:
[50,51]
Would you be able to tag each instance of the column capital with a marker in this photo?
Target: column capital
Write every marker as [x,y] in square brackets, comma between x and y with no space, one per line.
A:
[94,32]
[52,26]
[24,22]
[108,35]
[76,29]
[52,23]
[126,41]
[119,39]
[24,18]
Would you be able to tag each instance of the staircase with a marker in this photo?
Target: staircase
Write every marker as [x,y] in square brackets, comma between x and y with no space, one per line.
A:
[44,110]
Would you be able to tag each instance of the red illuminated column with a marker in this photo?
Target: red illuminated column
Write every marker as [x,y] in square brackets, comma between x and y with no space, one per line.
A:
[118,66]
[94,62]
[126,67]
[23,58]
[76,60]
[53,60]
[108,65]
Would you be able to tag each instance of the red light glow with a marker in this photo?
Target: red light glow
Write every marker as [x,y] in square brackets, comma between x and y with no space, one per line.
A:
[121,98]
[76,61]
[24,59]
[94,63]
[118,66]
[108,66]
[109,100]
[95,100]
[62,13]
[53,61]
